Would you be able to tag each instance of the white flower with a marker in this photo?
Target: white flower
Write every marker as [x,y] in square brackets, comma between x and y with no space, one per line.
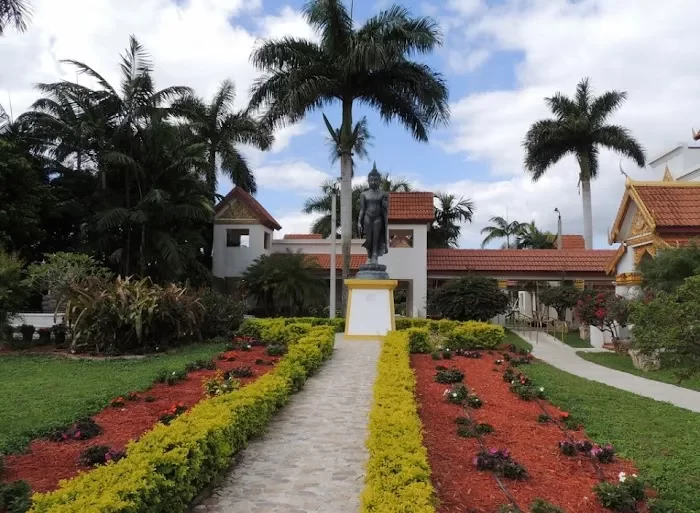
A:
[634,476]
[622,477]
[512,382]
[454,394]
[541,389]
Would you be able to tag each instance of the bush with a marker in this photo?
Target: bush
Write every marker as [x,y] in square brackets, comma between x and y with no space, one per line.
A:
[476,335]
[15,497]
[223,314]
[622,496]
[604,310]
[543,506]
[27,332]
[560,298]
[476,298]
[11,290]
[128,315]
[398,473]
[419,340]
[99,454]
[168,466]
[275,350]
[447,376]
[670,267]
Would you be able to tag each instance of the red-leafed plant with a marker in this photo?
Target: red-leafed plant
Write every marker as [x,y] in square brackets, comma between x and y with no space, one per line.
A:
[604,310]
[172,413]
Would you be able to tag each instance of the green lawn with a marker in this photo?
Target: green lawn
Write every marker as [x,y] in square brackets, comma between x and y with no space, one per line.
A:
[662,439]
[42,393]
[624,364]
[572,339]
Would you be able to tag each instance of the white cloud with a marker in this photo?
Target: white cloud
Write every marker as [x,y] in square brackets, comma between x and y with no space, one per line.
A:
[298,176]
[461,62]
[648,52]
[294,223]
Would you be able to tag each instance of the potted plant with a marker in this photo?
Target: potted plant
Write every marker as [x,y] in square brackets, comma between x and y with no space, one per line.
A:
[44,336]
[59,334]
[27,331]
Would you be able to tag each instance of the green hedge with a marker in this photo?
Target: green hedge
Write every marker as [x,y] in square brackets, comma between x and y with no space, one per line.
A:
[398,473]
[476,335]
[166,468]
[277,330]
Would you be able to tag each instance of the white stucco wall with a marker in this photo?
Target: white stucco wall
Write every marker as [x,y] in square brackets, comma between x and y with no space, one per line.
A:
[232,262]
[680,161]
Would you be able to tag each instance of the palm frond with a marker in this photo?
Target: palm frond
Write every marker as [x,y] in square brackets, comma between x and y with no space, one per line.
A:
[331,19]
[16,13]
[606,104]
[620,140]
[87,70]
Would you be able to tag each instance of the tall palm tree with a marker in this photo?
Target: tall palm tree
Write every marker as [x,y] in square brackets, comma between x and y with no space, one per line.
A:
[531,237]
[500,229]
[449,213]
[16,13]
[360,141]
[369,65]
[580,129]
[323,204]
[220,129]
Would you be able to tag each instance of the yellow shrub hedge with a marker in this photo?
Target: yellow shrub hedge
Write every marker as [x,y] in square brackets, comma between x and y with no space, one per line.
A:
[476,335]
[276,330]
[169,465]
[398,473]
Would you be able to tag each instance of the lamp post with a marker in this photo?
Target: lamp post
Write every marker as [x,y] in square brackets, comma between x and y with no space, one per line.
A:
[334,238]
[560,242]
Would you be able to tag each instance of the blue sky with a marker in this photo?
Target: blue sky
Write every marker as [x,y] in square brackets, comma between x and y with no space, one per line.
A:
[500,59]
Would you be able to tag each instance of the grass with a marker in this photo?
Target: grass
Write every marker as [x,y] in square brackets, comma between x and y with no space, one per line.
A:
[624,364]
[572,339]
[39,394]
[660,438]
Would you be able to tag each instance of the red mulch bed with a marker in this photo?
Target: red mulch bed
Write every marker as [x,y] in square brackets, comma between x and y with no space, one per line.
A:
[47,462]
[565,481]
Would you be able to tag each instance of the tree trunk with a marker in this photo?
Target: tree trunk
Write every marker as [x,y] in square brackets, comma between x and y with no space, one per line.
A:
[346,192]
[127,228]
[211,182]
[142,252]
[585,178]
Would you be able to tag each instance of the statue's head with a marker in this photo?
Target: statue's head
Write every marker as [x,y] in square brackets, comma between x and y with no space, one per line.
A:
[374,178]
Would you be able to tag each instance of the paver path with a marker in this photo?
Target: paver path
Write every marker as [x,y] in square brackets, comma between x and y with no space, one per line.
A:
[313,455]
[549,349]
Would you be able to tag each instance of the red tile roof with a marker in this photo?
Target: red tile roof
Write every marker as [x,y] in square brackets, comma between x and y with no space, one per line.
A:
[671,205]
[324,260]
[263,215]
[303,236]
[573,242]
[411,207]
[519,260]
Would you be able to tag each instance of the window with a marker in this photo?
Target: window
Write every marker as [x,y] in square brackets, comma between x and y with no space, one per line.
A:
[266,241]
[400,238]
[237,238]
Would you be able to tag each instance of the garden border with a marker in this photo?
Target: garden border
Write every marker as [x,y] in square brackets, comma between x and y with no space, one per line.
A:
[166,469]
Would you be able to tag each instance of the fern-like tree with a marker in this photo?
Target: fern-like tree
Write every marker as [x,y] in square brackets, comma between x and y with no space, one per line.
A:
[369,65]
[450,213]
[221,129]
[529,236]
[580,128]
[15,13]
[500,229]
[361,140]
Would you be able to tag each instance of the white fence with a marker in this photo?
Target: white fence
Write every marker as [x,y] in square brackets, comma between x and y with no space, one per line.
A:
[38,320]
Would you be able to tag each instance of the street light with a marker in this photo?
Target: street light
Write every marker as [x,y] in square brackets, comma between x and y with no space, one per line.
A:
[560,242]
[334,237]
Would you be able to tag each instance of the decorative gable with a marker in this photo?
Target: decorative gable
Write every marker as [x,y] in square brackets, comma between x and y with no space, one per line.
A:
[239,207]
[667,176]
[639,225]
[237,212]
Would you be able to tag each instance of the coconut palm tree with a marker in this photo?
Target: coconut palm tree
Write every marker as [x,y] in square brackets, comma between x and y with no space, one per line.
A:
[220,129]
[14,13]
[531,237]
[580,128]
[500,229]
[450,212]
[368,65]
[323,204]
[360,141]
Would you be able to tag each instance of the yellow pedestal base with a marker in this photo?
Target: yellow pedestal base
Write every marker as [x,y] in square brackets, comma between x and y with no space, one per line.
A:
[370,310]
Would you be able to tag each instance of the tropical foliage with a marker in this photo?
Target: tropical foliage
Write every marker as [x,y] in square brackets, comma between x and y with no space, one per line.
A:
[560,298]
[285,285]
[670,267]
[472,298]
[668,323]
[370,64]
[450,213]
[531,237]
[360,141]
[580,128]
[15,13]
[501,229]
[11,289]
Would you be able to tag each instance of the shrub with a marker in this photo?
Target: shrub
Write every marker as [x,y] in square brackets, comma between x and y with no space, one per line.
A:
[447,354]
[220,385]
[472,430]
[436,355]
[543,506]
[419,340]
[473,401]
[543,418]
[128,315]
[456,394]
[622,496]
[275,350]
[670,267]
[222,314]
[500,463]
[560,298]
[12,292]
[172,413]
[604,310]
[604,454]
[99,454]
[453,375]
[476,335]
[81,430]
[15,497]
[398,473]
[240,372]
[59,334]
[27,332]
[567,448]
[584,446]
[473,297]
[527,391]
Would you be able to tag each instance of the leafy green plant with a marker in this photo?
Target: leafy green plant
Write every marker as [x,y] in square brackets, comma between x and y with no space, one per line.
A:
[446,354]
[670,267]
[456,394]
[473,401]
[501,463]
[436,355]
[15,497]
[622,496]
[27,332]
[453,375]
[220,385]
[241,372]
[560,298]
[543,418]
[172,413]
[473,297]
[275,350]
[12,291]
[567,448]
[99,454]
[419,340]
[543,506]
[81,430]
[222,313]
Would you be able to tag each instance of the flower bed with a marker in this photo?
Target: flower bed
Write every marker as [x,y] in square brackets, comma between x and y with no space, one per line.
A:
[520,427]
[47,462]
[167,467]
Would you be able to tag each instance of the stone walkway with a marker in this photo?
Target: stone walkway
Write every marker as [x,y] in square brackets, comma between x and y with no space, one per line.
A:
[549,349]
[313,455]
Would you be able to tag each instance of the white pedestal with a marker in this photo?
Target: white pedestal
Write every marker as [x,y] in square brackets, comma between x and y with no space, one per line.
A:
[370,313]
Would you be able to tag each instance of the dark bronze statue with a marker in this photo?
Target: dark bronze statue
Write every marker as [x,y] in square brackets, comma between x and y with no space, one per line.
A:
[373,221]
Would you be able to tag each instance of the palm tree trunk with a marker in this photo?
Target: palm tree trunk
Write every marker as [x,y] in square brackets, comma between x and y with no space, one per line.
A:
[142,252]
[346,192]
[586,197]
[127,228]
